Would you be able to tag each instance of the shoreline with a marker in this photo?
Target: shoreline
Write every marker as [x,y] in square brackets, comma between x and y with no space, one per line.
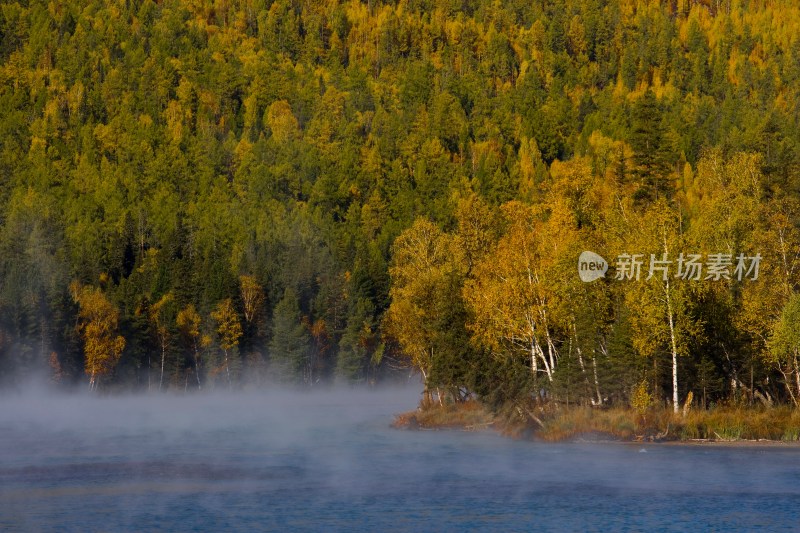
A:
[723,427]
[742,443]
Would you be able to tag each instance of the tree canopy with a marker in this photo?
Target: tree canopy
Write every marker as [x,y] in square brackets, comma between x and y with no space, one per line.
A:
[319,190]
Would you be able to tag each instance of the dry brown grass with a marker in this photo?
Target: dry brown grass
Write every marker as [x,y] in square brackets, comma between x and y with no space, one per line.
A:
[469,415]
[720,424]
[736,423]
[584,422]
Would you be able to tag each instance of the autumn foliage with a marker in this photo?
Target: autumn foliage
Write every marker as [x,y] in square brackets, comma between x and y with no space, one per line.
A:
[97,324]
[340,190]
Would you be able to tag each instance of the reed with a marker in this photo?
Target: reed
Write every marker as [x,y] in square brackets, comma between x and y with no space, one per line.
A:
[725,423]
[554,423]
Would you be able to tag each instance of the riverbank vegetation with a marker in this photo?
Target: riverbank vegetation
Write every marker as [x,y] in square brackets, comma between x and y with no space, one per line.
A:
[558,423]
[469,415]
[226,193]
[721,424]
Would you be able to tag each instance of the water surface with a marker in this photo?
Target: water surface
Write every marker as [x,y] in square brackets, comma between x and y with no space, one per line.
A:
[329,461]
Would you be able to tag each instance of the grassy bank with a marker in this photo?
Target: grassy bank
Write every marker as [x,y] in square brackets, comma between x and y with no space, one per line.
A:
[470,415]
[721,424]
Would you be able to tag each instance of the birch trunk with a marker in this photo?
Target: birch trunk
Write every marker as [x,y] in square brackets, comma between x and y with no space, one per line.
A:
[548,370]
[788,383]
[227,369]
[426,394]
[197,367]
[596,381]
[674,346]
[796,375]
[163,356]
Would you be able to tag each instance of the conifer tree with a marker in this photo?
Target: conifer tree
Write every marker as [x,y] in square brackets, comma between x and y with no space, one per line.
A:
[290,345]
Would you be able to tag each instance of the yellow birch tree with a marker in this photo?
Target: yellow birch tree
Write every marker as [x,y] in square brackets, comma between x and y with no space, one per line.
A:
[252,296]
[426,276]
[188,321]
[97,325]
[655,268]
[229,330]
[161,329]
[515,292]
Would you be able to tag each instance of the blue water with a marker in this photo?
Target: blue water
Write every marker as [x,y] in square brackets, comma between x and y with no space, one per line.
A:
[330,462]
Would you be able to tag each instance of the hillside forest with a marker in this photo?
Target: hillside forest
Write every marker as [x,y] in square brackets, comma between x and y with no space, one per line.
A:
[208,194]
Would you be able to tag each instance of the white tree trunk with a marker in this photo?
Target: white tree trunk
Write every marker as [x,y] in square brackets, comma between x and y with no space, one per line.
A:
[426,394]
[548,370]
[197,367]
[534,361]
[674,346]
[227,369]
[163,356]
[596,381]
[796,374]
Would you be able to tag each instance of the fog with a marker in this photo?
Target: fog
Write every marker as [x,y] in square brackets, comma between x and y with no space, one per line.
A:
[328,460]
[175,413]
[187,430]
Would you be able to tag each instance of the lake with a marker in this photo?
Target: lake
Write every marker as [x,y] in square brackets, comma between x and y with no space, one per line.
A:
[328,461]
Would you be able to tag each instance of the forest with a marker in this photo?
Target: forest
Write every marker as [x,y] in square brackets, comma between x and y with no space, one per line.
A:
[208,194]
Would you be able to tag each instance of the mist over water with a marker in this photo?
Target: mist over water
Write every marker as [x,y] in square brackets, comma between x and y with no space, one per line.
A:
[329,461]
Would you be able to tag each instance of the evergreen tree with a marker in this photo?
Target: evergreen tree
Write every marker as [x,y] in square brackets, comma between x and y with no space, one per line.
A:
[290,345]
[356,343]
[649,150]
